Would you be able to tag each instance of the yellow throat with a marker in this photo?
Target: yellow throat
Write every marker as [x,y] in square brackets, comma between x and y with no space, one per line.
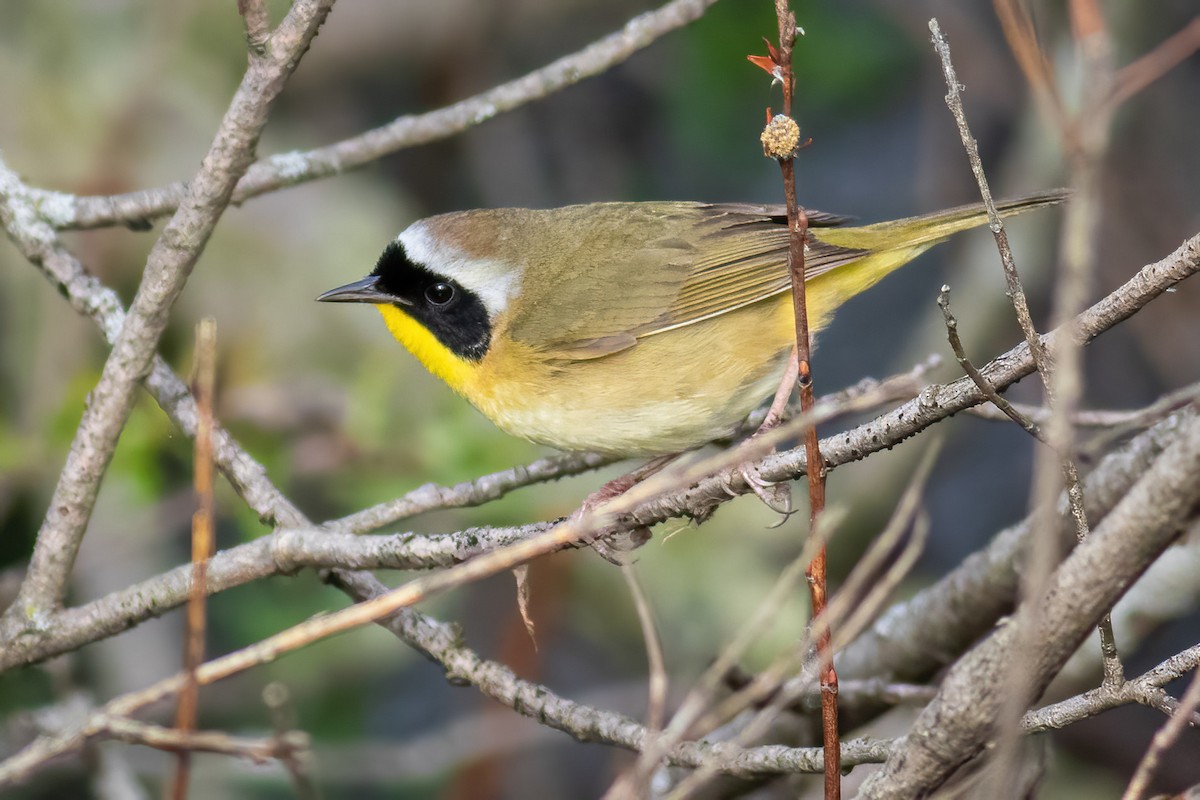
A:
[436,357]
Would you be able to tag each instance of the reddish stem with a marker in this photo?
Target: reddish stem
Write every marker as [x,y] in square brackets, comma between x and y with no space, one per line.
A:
[815,464]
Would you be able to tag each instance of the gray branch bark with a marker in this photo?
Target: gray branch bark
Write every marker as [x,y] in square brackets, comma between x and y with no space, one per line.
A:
[167,269]
[958,724]
[66,211]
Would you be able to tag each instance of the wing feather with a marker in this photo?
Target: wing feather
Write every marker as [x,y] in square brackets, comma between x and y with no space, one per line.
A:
[673,264]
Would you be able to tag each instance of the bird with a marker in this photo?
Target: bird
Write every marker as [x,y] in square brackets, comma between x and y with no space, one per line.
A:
[628,329]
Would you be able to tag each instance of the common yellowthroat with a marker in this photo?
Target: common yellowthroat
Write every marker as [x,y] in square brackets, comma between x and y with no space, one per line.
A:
[627,328]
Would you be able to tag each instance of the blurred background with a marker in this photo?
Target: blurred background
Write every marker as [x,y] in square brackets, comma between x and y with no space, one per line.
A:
[106,96]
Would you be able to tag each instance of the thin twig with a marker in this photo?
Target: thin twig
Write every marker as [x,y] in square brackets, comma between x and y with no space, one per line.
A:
[297,760]
[1063,384]
[290,169]
[1022,40]
[1163,739]
[975,375]
[684,721]
[849,611]
[851,607]
[1146,689]
[634,783]
[441,642]
[1120,423]
[494,679]
[478,491]
[202,546]
[815,474]
[1012,279]
[175,741]
[656,702]
[1170,53]
[850,692]
[1080,237]
[962,718]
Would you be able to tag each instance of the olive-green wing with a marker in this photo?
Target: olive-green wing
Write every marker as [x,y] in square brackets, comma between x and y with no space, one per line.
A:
[743,259]
[644,268]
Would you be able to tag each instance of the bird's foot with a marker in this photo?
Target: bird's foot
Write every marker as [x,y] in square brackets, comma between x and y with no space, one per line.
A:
[775,496]
[614,542]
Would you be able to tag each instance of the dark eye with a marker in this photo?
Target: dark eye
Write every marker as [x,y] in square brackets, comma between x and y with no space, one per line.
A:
[439,294]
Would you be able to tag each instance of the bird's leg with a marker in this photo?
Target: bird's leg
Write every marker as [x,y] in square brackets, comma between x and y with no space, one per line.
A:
[608,545]
[782,395]
[776,496]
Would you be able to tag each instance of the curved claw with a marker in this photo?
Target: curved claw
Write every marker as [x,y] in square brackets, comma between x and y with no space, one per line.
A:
[617,547]
[614,545]
[775,496]
[784,516]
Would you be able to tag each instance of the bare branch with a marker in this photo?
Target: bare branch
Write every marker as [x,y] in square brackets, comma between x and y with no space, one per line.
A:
[440,642]
[1162,741]
[850,609]
[954,727]
[923,634]
[176,741]
[257,20]
[1146,689]
[635,782]
[1122,422]
[469,493]
[816,472]
[202,545]
[1012,279]
[167,268]
[1171,52]
[685,718]
[1064,383]
[290,169]
[298,761]
[973,373]
[656,662]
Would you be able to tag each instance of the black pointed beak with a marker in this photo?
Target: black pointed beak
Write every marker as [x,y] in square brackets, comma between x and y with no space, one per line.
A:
[366,290]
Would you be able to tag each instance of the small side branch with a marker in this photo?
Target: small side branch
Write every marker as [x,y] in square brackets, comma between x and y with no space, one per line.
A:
[1063,381]
[1163,740]
[975,375]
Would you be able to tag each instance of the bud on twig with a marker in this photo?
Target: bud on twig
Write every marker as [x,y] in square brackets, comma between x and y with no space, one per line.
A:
[781,138]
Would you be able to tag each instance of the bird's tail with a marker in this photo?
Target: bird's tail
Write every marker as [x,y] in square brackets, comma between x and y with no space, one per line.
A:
[929,229]
[887,246]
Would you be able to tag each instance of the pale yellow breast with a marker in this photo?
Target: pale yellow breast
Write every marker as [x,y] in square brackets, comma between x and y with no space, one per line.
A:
[671,392]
